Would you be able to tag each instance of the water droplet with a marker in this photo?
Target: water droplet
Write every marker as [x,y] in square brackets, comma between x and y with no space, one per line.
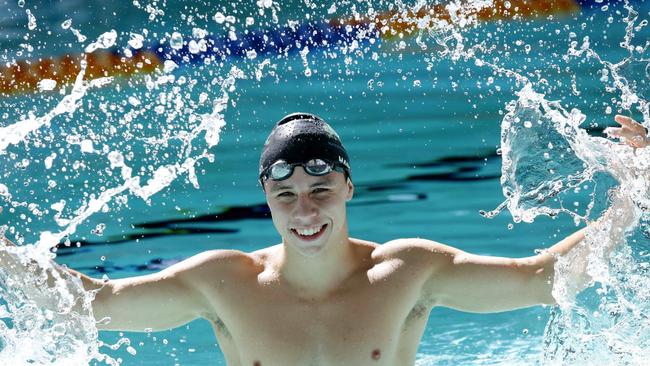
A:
[136,41]
[169,66]
[87,146]
[134,101]
[199,33]
[176,41]
[31,25]
[46,84]
[193,46]
[219,17]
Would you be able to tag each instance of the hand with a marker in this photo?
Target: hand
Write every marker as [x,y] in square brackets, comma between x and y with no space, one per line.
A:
[631,132]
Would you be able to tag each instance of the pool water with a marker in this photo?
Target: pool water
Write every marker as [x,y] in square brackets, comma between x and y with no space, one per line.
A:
[422,136]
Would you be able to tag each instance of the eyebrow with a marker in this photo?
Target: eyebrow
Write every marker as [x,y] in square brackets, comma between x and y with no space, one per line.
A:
[279,187]
[323,181]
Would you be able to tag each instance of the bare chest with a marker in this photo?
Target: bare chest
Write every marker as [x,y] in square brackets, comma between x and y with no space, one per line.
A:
[367,324]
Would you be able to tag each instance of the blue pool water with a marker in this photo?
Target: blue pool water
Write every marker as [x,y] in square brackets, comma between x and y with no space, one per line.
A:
[422,135]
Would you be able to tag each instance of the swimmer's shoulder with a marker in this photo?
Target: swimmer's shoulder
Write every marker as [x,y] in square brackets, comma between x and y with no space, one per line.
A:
[265,253]
[218,262]
[413,250]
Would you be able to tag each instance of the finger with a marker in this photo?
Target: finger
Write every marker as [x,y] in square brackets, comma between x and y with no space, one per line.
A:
[628,122]
[624,120]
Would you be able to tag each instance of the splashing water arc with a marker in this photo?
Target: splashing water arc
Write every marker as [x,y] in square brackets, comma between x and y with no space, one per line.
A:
[535,130]
[100,118]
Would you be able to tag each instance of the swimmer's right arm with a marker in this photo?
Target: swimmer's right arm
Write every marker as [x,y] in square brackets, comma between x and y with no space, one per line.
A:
[157,301]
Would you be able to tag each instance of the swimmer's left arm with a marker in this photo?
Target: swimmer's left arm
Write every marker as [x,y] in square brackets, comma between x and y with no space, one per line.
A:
[478,283]
[484,284]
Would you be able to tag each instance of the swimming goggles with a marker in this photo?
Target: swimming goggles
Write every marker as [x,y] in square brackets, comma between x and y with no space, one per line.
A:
[281,170]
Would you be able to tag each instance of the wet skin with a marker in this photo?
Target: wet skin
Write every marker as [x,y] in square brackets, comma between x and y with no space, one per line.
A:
[319,299]
[375,316]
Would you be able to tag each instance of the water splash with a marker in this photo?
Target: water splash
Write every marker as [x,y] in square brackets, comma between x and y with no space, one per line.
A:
[50,324]
[549,160]
[56,319]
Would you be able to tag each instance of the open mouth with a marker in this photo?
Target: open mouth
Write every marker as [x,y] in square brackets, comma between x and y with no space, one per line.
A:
[309,233]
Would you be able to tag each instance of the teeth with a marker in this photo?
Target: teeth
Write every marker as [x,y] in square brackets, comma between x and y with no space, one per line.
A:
[310,231]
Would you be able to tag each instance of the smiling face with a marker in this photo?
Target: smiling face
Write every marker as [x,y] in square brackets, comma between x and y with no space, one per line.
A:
[308,211]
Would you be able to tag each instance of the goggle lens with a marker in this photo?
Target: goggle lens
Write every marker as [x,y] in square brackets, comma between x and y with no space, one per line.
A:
[282,170]
[317,167]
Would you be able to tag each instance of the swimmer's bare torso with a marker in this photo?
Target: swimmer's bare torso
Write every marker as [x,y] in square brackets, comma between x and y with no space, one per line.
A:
[375,317]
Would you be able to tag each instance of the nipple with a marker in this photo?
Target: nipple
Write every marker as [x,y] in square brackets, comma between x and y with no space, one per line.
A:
[376,354]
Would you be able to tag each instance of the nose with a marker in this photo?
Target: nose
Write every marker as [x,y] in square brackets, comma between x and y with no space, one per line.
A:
[305,207]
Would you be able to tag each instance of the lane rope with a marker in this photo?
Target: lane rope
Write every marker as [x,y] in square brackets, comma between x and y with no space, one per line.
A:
[25,75]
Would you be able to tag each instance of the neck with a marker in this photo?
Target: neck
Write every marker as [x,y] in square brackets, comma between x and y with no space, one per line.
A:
[318,275]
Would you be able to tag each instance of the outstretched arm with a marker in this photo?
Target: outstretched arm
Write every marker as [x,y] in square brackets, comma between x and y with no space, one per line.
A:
[158,301]
[489,284]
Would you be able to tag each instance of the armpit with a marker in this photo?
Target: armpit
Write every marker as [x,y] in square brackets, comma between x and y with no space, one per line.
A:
[218,324]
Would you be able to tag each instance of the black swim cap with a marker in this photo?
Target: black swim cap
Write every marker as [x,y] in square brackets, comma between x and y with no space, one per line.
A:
[300,137]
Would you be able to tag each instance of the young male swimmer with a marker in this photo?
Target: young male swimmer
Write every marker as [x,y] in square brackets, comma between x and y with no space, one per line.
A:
[321,297]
